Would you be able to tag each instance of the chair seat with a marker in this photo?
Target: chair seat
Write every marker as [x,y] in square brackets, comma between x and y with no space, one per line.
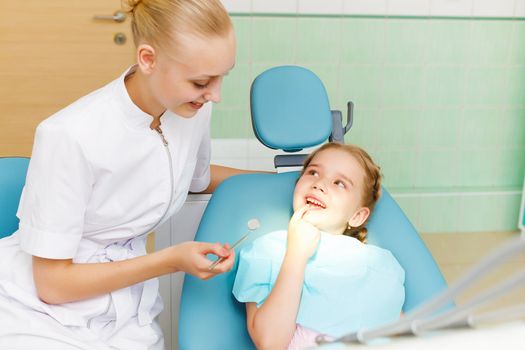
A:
[211,318]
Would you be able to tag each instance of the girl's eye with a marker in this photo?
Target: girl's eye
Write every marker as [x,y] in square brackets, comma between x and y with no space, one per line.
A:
[313,172]
[340,184]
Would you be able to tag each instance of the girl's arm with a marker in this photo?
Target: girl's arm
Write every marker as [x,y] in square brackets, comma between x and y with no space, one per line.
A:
[273,324]
[62,281]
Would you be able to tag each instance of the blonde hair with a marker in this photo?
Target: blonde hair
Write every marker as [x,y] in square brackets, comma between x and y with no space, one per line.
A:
[160,22]
[371,184]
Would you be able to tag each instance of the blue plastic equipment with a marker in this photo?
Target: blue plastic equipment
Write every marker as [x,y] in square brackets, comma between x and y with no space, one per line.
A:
[12,179]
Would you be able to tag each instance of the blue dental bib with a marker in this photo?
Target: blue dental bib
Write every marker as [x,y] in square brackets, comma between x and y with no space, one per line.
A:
[348,285]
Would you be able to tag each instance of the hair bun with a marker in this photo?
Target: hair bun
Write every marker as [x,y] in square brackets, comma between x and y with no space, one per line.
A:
[359,233]
[130,5]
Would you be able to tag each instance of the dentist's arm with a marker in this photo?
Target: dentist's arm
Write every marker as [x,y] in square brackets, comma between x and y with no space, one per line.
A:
[62,281]
[220,173]
[273,324]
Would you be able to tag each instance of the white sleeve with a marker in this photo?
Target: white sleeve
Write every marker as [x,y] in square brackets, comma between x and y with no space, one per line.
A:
[55,196]
[201,174]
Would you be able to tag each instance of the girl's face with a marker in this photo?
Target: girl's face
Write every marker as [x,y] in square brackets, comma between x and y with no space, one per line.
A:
[183,83]
[332,186]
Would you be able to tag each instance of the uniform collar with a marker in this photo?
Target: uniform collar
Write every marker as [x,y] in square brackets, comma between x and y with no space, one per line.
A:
[133,115]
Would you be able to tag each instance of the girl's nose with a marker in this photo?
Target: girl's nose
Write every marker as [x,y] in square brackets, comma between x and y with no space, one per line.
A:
[318,185]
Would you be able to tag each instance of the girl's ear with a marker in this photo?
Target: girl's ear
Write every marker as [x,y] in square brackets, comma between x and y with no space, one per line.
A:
[146,58]
[359,217]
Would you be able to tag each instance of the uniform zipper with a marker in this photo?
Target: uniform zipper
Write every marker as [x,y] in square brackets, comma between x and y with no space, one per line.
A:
[166,147]
[165,143]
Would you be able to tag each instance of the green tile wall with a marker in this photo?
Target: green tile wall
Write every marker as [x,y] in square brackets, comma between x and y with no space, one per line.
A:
[440,104]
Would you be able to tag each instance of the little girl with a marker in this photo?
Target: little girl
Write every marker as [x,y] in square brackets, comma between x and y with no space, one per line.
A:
[319,277]
[107,170]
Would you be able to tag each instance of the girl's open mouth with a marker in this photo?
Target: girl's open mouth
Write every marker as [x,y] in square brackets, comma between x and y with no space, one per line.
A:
[316,203]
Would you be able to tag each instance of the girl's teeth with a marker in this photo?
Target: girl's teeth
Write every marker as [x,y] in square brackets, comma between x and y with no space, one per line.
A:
[315,202]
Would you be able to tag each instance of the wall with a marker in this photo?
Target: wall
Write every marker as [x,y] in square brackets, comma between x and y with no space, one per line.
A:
[439,89]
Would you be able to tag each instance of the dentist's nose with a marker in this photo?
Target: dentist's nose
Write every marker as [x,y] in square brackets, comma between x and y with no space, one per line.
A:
[214,92]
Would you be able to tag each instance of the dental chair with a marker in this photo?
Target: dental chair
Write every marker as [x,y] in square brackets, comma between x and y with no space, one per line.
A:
[290,112]
[12,178]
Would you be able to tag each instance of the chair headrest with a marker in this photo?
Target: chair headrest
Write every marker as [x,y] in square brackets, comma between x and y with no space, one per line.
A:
[290,108]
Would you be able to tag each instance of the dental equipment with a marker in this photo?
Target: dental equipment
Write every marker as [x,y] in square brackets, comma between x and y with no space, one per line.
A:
[500,315]
[421,318]
[471,320]
[253,224]
[461,314]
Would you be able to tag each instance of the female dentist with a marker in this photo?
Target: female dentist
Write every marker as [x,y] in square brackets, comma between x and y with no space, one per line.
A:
[107,170]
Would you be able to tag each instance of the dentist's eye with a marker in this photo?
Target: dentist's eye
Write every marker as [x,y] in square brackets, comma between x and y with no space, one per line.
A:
[200,85]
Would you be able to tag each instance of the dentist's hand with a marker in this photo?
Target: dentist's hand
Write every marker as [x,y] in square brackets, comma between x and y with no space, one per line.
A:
[303,237]
[190,257]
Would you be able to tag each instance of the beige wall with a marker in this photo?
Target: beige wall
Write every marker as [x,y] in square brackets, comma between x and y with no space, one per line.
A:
[455,253]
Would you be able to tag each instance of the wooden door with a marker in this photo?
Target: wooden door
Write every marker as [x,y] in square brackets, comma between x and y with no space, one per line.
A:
[52,53]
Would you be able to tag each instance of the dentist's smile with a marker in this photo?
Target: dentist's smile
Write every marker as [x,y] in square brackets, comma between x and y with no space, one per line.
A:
[196,105]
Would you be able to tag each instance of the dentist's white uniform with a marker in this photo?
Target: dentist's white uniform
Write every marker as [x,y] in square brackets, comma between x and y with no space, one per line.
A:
[99,180]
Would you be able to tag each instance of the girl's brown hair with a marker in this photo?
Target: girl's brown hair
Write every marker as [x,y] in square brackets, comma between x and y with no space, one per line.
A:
[372,181]
[161,22]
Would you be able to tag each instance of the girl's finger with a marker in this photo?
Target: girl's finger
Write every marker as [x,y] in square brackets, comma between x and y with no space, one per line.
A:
[300,212]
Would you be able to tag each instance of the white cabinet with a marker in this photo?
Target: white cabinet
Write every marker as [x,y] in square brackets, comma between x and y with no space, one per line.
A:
[179,228]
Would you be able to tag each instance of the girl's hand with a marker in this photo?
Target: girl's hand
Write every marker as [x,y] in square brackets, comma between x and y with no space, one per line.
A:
[303,237]
[190,257]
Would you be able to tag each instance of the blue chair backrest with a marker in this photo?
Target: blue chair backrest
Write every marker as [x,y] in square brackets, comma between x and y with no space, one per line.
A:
[12,179]
[210,317]
[303,120]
